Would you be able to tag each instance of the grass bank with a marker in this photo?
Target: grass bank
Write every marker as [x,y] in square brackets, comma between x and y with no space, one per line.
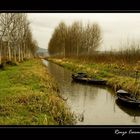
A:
[117,77]
[29,96]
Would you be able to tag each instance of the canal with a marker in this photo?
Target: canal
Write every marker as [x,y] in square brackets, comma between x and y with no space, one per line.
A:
[95,105]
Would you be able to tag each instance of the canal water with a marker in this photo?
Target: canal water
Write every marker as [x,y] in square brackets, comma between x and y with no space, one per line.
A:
[95,105]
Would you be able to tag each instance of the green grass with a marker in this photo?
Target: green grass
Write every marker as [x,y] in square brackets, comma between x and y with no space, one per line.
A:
[29,96]
[117,77]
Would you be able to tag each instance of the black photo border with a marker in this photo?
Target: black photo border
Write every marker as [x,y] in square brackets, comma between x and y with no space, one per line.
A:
[71,6]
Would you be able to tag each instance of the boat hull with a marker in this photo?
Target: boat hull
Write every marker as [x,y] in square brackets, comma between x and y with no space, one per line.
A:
[128,99]
[127,108]
[88,80]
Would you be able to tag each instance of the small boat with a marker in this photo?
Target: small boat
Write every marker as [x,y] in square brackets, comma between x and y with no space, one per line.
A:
[83,78]
[127,97]
[130,110]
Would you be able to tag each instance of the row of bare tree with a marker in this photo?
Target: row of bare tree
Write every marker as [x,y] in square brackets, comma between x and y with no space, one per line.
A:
[16,42]
[75,40]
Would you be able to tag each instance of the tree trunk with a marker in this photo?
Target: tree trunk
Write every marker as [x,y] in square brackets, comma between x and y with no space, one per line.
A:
[9,52]
[0,53]
[64,51]
[0,57]
[19,53]
[15,58]
[77,50]
[29,55]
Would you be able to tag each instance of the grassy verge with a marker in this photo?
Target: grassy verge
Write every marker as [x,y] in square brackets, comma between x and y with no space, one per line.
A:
[117,77]
[29,96]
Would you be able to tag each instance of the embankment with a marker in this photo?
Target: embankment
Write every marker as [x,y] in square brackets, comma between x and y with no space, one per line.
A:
[29,96]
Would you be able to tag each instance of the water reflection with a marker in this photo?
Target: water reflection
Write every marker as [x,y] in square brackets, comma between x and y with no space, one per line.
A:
[130,110]
[97,105]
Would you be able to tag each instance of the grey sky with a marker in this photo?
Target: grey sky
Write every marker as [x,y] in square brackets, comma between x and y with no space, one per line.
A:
[117,28]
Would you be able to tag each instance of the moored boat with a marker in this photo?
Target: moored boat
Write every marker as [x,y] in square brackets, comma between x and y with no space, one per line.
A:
[127,97]
[83,78]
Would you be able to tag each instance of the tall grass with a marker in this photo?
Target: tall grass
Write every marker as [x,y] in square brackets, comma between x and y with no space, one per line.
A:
[127,55]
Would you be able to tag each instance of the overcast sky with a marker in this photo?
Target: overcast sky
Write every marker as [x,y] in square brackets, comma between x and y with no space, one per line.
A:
[117,28]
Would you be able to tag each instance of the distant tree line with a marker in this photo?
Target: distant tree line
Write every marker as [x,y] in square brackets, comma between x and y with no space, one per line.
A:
[75,40]
[16,41]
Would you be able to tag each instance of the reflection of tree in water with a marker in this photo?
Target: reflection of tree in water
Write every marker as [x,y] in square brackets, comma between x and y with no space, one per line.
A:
[58,72]
[61,75]
[84,90]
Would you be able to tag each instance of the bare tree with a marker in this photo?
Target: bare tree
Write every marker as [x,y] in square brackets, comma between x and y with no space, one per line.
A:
[16,42]
[5,23]
[75,40]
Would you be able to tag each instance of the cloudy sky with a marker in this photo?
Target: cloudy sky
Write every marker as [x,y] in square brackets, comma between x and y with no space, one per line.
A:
[117,28]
